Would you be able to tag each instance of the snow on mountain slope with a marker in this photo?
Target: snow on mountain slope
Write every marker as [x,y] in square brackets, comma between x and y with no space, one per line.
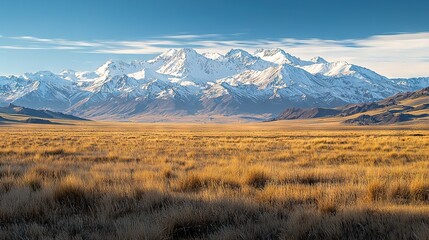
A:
[274,88]
[283,76]
[147,74]
[13,87]
[355,83]
[40,90]
[318,60]
[213,56]
[238,60]
[412,83]
[185,82]
[69,74]
[127,96]
[340,69]
[48,77]
[111,68]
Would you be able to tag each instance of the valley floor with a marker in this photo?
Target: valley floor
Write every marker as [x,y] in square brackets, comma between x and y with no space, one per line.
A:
[278,180]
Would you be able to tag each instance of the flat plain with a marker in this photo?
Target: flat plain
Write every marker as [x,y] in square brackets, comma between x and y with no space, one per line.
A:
[282,180]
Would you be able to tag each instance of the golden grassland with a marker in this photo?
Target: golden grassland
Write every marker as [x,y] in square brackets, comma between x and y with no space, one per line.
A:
[189,181]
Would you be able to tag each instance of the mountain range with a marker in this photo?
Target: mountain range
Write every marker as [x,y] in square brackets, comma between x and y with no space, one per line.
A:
[185,83]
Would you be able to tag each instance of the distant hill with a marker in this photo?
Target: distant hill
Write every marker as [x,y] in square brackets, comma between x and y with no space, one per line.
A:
[401,107]
[17,114]
[303,113]
[14,109]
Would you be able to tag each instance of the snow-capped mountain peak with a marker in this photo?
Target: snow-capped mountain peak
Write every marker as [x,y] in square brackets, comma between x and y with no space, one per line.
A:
[280,57]
[318,59]
[70,75]
[238,53]
[175,54]
[47,77]
[213,56]
[113,68]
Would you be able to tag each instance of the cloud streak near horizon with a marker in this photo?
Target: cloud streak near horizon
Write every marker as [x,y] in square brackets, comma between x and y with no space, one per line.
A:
[393,55]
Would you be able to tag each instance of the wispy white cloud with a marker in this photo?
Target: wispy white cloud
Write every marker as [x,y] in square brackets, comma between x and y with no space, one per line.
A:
[56,42]
[394,55]
[192,36]
[19,47]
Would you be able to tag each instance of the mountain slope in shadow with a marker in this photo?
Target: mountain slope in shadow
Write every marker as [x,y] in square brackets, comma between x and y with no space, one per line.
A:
[402,107]
[33,116]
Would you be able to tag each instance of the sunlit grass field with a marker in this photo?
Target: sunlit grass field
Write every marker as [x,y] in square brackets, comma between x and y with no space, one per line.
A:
[189,181]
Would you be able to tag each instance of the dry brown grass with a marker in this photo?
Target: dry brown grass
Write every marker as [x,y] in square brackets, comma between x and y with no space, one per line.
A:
[154,181]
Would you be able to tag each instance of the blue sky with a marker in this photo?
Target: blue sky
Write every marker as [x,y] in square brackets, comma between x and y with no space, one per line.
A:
[388,36]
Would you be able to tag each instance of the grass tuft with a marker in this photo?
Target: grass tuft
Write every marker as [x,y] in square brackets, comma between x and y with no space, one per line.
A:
[257,178]
[376,191]
[72,193]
